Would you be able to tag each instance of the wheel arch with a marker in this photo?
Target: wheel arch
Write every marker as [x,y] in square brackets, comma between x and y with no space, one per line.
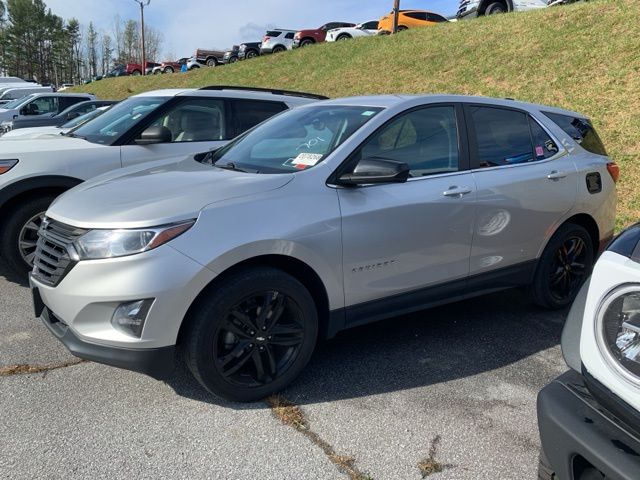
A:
[46,185]
[584,220]
[344,34]
[295,267]
[313,40]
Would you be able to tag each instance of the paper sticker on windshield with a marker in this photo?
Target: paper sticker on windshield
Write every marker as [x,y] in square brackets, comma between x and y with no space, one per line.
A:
[368,113]
[308,159]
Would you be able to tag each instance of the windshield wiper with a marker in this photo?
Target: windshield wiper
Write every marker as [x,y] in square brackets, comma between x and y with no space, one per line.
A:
[73,135]
[232,166]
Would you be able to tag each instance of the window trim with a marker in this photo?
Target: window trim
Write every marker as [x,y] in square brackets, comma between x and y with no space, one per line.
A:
[463,145]
[473,143]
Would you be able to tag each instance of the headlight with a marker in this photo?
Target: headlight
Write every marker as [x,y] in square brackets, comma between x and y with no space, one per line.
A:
[618,330]
[6,165]
[98,244]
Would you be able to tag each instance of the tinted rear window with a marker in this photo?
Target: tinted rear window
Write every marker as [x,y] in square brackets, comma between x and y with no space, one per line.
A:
[581,130]
[273,33]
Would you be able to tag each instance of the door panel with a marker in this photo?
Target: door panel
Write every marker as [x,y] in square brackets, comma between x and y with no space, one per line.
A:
[408,236]
[526,184]
[403,237]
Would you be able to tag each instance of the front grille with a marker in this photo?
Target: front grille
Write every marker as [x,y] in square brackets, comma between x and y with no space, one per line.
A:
[53,258]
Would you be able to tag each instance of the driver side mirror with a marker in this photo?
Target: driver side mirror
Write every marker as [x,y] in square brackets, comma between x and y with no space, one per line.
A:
[153,135]
[376,170]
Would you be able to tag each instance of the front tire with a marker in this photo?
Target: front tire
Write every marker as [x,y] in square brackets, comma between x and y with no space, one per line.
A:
[402,28]
[168,70]
[563,267]
[306,42]
[136,73]
[344,36]
[495,8]
[252,335]
[278,49]
[20,234]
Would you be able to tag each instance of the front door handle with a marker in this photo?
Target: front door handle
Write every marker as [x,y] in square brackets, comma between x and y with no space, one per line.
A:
[556,175]
[457,192]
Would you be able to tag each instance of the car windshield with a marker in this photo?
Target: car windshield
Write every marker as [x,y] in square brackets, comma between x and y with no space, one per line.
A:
[107,128]
[17,103]
[295,140]
[82,119]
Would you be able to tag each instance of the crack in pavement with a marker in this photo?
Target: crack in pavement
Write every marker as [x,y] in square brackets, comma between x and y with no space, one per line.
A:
[291,415]
[24,369]
[429,465]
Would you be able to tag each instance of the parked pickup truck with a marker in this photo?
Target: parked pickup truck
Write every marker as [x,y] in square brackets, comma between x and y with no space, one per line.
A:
[210,58]
[135,69]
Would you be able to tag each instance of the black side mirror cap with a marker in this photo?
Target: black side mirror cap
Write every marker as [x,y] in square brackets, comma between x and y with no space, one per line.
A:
[153,135]
[375,171]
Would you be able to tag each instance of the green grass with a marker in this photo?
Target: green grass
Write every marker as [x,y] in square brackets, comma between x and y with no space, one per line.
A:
[584,57]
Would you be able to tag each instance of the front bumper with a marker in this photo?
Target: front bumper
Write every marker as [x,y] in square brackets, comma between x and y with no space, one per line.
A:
[573,424]
[158,363]
[468,10]
[79,309]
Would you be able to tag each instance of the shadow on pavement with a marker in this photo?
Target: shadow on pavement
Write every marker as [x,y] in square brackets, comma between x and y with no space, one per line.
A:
[428,347]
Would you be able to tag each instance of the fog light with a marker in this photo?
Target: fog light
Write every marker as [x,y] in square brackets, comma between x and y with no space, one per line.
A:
[129,317]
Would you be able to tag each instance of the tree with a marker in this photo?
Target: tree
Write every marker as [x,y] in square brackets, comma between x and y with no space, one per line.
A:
[92,50]
[107,53]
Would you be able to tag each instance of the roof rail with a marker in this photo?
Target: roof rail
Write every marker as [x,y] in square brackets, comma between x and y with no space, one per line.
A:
[266,90]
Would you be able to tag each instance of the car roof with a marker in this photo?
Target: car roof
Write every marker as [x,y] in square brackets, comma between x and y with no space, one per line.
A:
[388,101]
[230,92]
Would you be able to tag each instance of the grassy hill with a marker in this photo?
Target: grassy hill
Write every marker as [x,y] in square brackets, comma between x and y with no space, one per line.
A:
[584,57]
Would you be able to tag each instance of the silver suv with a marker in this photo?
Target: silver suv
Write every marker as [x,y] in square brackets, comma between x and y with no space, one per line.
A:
[276,41]
[328,216]
[146,127]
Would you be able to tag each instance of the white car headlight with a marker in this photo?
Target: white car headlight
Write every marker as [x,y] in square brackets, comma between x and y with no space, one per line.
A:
[97,244]
[618,330]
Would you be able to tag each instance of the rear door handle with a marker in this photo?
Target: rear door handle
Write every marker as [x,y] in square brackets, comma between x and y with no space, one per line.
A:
[457,192]
[556,175]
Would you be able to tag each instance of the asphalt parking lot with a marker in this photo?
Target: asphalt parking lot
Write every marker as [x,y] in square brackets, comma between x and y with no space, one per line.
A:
[447,393]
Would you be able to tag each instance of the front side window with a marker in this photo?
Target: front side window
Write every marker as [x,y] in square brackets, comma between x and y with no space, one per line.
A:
[434,17]
[425,139]
[195,120]
[119,119]
[296,140]
[41,106]
[370,26]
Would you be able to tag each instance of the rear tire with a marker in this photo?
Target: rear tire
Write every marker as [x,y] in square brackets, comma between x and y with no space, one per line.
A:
[168,70]
[402,28]
[495,8]
[239,355]
[278,49]
[344,36]
[19,235]
[136,73]
[251,54]
[563,267]
[211,62]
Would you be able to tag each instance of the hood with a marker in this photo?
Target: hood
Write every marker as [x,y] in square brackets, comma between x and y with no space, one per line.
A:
[44,144]
[156,195]
[31,133]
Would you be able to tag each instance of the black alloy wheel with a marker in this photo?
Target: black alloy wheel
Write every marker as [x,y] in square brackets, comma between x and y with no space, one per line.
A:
[259,339]
[252,334]
[563,267]
[568,270]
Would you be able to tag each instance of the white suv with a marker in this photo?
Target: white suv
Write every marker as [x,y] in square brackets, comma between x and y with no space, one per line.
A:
[152,126]
[589,417]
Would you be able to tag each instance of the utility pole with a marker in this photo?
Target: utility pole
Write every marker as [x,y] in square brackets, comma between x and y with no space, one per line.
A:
[143,3]
[396,14]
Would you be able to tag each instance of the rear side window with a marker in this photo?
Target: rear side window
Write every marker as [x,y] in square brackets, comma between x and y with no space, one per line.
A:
[273,33]
[247,114]
[434,17]
[417,15]
[66,102]
[581,130]
[503,136]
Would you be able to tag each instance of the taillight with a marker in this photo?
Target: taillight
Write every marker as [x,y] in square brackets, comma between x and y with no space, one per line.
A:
[614,171]
[265,39]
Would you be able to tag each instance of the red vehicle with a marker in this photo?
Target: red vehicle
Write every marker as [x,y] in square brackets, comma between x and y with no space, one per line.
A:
[317,35]
[169,67]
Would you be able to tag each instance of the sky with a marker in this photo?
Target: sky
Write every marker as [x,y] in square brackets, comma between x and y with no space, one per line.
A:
[190,24]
